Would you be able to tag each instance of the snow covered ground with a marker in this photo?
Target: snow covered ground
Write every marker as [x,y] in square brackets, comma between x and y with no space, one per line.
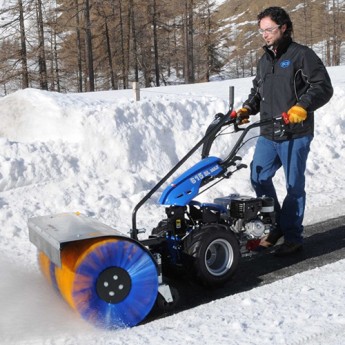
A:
[99,154]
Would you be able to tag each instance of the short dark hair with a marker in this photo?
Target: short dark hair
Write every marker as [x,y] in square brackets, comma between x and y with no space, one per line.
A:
[279,16]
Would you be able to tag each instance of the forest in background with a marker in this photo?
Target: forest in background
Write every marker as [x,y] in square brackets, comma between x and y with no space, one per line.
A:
[93,45]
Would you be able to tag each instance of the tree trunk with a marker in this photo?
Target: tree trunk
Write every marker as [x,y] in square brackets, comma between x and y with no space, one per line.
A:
[91,74]
[155,41]
[122,44]
[79,49]
[134,39]
[23,54]
[41,50]
[189,58]
[110,60]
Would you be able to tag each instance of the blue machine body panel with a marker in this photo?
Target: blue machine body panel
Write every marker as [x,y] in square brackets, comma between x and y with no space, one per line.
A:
[186,186]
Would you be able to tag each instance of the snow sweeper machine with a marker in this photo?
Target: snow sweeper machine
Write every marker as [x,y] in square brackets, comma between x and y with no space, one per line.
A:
[113,280]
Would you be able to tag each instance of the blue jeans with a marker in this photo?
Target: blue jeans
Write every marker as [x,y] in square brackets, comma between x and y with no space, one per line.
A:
[292,155]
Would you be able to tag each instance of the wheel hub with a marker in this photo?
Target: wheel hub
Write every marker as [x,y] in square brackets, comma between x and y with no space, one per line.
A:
[113,285]
[219,257]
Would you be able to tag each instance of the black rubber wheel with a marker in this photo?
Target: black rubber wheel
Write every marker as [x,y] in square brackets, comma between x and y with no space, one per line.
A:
[214,254]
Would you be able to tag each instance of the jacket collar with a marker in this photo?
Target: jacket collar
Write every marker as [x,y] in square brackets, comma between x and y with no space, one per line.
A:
[281,49]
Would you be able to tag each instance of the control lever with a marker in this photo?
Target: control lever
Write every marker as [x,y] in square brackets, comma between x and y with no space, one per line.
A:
[234,160]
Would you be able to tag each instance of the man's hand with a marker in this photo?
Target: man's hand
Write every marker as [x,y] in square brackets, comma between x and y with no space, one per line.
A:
[297,114]
[242,115]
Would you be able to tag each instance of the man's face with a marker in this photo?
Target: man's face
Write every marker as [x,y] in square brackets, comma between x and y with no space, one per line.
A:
[272,33]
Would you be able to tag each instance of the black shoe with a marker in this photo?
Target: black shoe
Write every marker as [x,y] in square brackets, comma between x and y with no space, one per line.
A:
[273,237]
[288,248]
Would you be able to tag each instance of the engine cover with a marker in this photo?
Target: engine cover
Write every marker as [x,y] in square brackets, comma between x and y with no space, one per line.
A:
[255,228]
[245,208]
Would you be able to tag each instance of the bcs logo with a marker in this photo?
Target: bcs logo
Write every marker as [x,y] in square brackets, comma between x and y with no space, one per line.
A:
[285,64]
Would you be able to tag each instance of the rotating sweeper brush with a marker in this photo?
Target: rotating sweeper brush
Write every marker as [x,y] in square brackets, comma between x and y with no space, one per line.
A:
[109,279]
[113,281]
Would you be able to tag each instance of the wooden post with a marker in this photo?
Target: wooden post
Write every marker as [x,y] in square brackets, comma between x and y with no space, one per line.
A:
[136,91]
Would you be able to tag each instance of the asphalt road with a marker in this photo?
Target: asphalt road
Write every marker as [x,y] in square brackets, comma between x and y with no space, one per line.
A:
[324,243]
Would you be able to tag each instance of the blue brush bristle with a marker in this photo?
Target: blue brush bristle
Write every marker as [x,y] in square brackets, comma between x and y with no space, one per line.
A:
[137,262]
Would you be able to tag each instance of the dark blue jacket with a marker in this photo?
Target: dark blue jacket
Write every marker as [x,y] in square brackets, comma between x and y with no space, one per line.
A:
[294,75]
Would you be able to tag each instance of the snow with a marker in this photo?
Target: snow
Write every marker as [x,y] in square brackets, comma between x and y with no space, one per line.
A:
[99,154]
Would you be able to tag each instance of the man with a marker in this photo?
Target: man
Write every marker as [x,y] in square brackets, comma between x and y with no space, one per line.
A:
[290,78]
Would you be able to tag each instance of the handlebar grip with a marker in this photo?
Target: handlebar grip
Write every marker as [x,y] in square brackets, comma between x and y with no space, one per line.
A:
[285,117]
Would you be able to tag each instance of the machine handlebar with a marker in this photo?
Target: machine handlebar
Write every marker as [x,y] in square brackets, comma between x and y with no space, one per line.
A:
[231,118]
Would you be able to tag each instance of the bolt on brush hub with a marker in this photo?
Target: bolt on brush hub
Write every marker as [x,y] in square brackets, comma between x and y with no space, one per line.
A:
[113,285]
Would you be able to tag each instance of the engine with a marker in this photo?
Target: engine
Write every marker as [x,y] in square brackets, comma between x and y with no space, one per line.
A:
[247,217]
[252,217]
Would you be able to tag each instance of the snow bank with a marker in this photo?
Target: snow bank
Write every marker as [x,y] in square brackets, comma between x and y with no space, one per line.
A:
[100,153]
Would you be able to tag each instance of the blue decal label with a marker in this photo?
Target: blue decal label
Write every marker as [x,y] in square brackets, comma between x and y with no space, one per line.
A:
[201,175]
[285,64]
